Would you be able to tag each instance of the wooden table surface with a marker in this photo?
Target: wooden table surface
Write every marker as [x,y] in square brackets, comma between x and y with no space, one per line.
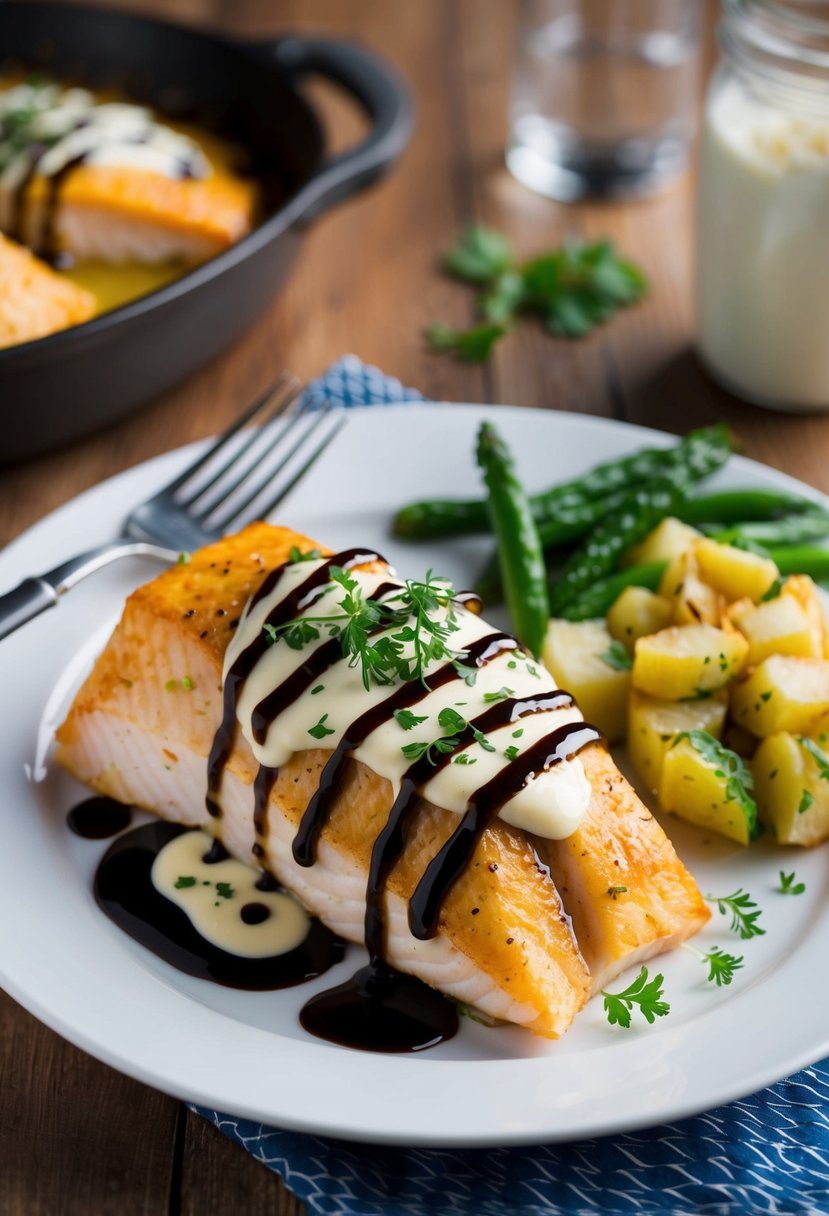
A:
[76,1137]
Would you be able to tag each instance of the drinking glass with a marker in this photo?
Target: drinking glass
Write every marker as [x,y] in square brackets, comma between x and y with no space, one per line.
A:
[604,95]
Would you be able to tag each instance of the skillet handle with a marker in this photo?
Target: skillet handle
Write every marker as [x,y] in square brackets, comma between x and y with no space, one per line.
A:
[378,89]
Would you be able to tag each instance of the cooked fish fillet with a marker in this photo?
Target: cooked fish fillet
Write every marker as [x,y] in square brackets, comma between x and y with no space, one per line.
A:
[34,300]
[124,214]
[140,730]
[629,895]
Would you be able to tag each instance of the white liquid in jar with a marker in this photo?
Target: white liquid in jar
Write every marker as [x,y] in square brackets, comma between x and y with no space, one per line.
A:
[763,251]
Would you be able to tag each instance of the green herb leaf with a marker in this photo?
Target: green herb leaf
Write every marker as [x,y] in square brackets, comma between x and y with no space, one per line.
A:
[183,881]
[472,345]
[320,731]
[743,910]
[615,892]
[414,751]
[225,890]
[511,752]
[407,720]
[500,695]
[479,256]
[721,966]
[465,758]
[788,886]
[806,800]
[617,657]
[818,755]
[647,996]
[728,765]
[296,555]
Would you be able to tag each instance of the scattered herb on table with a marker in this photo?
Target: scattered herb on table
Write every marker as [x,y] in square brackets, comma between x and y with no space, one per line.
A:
[647,996]
[573,289]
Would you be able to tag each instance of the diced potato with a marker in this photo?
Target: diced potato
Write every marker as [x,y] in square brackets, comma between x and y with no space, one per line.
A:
[802,589]
[696,788]
[653,725]
[573,653]
[667,540]
[734,572]
[636,613]
[780,626]
[783,693]
[792,797]
[692,600]
[687,661]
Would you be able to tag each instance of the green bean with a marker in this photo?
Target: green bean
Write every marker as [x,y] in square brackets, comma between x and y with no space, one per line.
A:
[613,536]
[793,530]
[597,599]
[519,548]
[697,455]
[734,506]
[572,524]
[802,560]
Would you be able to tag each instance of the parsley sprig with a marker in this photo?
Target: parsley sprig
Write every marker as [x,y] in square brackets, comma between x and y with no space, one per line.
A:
[644,994]
[721,966]
[574,289]
[743,911]
[818,755]
[395,638]
[452,724]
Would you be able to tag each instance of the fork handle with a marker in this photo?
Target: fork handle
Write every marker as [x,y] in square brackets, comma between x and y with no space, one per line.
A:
[24,603]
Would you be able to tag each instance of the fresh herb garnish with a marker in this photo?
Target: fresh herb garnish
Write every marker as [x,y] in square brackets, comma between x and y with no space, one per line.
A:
[574,289]
[818,755]
[721,966]
[500,695]
[395,638]
[743,910]
[647,996]
[615,892]
[465,758]
[225,890]
[184,880]
[511,753]
[729,767]
[407,720]
[788,886]
[617,657]
[296,555]
[452,724]
[806,800]
[320,731]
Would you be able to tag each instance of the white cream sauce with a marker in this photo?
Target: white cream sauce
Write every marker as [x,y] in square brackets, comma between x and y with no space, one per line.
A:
[214,894]
[60,125]
[551,804]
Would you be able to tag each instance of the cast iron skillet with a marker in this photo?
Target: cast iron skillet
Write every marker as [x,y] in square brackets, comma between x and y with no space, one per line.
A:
[69,384]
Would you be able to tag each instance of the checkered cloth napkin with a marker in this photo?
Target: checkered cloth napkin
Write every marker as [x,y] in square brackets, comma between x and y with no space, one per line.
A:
[766,1154]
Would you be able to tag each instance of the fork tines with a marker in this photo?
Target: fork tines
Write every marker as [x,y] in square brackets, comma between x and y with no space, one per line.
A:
[247,473]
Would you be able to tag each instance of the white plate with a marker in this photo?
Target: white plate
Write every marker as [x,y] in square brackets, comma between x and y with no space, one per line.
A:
[244,1052]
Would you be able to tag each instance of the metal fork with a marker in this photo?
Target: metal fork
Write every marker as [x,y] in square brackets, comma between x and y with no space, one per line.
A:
[241,477]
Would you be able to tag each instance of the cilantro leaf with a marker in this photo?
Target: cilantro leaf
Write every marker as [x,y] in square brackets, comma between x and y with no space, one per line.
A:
[407,720]
[721,966]
[647,996]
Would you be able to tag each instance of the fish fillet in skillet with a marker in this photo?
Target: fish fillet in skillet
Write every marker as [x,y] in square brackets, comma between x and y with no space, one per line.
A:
[143,724]
[106,180]
[34,300]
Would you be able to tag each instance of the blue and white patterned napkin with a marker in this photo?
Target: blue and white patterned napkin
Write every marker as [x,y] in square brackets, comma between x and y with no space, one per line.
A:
[766,1154]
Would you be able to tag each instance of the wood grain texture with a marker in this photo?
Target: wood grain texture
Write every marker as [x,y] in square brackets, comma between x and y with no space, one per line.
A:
[75,1137]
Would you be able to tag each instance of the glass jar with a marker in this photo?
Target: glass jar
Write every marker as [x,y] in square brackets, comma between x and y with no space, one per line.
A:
[762,295]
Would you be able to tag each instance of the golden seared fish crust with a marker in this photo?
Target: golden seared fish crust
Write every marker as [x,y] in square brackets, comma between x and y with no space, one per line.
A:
[140,730]
[122,214]
[34,300]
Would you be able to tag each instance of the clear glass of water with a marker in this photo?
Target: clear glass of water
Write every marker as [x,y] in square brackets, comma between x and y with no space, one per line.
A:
[604,96]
